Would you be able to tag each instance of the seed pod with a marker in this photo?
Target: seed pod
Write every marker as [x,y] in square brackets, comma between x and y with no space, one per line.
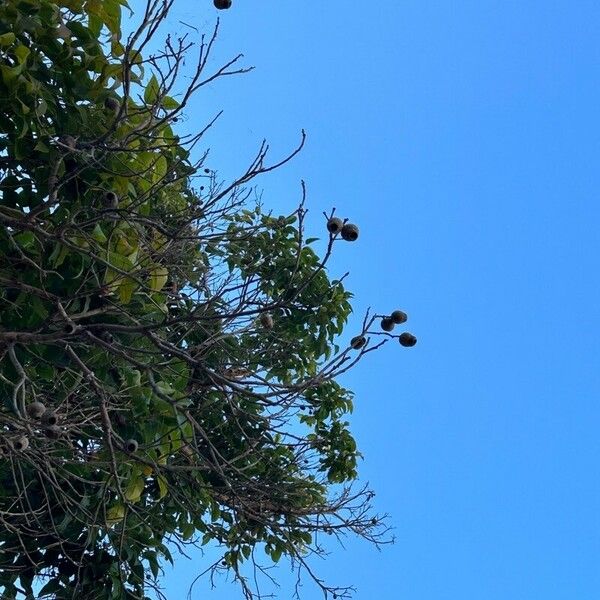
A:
[70,328]
[35,410]
[131,446]
[52,431]
[222,4]
[63,32]
[407,339]
[49,418]
[350,232]
[335,225]
[358,342]
[399,317]
[119,419]
[106,337]
[387,324]
[187,450]
[68,141]
[266,320]
[110,200]
[21,443]
[112,104]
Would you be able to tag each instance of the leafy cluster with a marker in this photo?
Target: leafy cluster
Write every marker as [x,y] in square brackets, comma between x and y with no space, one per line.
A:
[168,354]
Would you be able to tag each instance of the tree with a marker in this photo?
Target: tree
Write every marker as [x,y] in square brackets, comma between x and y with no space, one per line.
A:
[169,350]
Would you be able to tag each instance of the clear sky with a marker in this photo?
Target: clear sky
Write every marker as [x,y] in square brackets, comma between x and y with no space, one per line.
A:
[463,137]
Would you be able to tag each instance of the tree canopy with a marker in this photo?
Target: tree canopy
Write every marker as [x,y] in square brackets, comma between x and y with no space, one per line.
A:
[170,353]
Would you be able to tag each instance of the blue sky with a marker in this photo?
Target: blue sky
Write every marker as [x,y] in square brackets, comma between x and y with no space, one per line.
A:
[464,139]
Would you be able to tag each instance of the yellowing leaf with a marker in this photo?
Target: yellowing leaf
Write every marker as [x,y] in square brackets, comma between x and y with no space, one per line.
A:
[22,52]
[6,39]
[126,289]
[115,514]
[123,247]
[158,278]
[134,490]
[98,234]
[162,486]
[80,241]
[152,91]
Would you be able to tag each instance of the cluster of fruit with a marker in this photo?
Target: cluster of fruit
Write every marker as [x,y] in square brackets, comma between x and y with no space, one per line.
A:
[348,231]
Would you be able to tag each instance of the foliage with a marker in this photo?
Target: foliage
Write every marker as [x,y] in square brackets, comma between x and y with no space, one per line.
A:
[168,349]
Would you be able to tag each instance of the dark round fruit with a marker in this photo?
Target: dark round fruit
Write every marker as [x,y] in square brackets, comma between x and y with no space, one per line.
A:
[49,418]
[21,443]
[334,225]
[358,342]
[111,200]
[35,410]
[387,324]
[399,317]
[266,320]
[111,104]
[350,232]
[222,4]
[120,419]
[52,431]
[407,339]
[68,141]
[131,446]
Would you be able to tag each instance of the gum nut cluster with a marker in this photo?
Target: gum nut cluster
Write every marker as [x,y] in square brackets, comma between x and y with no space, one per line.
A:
[111,200]
[398,317]
[334,225]
[348,231]
[358,342]
[387,324]
[21,443]
[49,418]
[112,104]
[407,339]
[35,410]
[266,320]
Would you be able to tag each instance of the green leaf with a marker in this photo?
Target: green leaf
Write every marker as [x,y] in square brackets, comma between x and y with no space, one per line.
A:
[154,568]
[152,90]
[111,14]
[52,587]
[9,74]
[115,514]
[98,234]
[162,486]
[276,553]
[22,52]
[58,255]
[26,239]
[127,288]
[6,39]
[41,147]
[188,531]
[134,489]
[169,103]
[158,278]
[119,262]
